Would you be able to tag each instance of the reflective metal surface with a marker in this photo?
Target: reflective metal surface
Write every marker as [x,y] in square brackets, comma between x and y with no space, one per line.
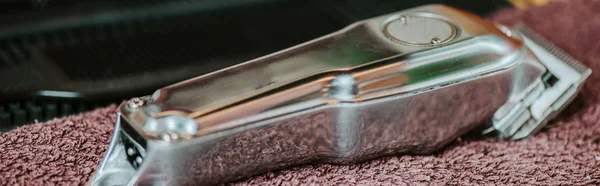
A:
[366,91]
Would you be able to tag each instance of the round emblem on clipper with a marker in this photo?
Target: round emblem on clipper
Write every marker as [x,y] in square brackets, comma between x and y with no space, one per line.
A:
[419,30]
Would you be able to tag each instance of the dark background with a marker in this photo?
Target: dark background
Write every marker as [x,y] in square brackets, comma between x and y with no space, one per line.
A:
[98,52]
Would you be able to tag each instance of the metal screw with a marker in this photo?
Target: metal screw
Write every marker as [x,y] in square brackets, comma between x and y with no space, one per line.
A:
[135,103]
[436,40]
[169,136]
[131,151]
[403,19]
[139,160]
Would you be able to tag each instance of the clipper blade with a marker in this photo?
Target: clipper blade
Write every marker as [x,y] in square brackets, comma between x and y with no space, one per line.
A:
[555,98]
[553,49]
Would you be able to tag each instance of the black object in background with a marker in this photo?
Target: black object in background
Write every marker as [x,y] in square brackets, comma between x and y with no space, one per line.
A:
[60,57]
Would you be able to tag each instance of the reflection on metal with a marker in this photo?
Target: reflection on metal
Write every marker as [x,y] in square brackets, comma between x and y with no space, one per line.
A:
[349,96]
[59,94]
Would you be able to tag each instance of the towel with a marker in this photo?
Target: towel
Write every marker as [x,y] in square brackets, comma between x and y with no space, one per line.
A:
[67,151]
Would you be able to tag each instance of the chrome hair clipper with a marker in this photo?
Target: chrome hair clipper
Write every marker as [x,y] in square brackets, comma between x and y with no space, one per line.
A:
[407,82]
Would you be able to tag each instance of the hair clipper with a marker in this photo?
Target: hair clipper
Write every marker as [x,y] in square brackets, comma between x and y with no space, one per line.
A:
[408,82]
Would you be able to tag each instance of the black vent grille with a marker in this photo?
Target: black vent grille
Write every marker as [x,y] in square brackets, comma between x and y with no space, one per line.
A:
[128,48]
[13,53]
[182,36]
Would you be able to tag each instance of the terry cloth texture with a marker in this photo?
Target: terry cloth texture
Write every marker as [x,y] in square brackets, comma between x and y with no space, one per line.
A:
[66,151]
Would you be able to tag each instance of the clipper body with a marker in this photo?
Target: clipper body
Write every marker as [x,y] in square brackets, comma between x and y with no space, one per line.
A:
[404,83]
